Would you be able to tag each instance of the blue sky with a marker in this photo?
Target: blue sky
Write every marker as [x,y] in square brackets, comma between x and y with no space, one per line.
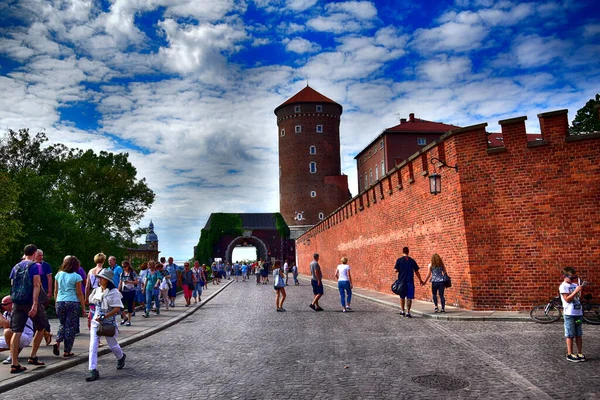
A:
[188,87]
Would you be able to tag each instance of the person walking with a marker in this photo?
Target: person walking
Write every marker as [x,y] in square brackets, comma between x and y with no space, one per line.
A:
[24,292]
[164,287]
[407,268]
[107,301]
[70,304]
[316,277]
[139,290]
[295,273]
[188,283]
[129,280]
[342,273]
[152,280]
[47,285]
[279,286]
[93,282]
[174,271]
[286,271]
[437,271]
[199,278]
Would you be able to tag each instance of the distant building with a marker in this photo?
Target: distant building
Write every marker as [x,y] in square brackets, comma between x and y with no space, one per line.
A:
[311,184]
[148,251]
[395,145]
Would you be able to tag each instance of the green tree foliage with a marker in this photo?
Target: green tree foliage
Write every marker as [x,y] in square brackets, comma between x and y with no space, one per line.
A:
[587,119]
[221,224]
[69,201]
[282,227]
[10,227]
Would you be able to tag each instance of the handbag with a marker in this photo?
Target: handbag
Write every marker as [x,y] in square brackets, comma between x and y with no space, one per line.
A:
[447,281]
[279,283]
[106,329]
[43,298]
[398,287]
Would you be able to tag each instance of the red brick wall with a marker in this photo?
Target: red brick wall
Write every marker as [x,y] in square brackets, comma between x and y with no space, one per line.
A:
[505,224]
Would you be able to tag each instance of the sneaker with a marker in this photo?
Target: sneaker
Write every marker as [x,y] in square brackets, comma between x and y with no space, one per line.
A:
[121,362]
[348,308]
[573,358]
[7,361]
[443,311]
[313,307]
[93,375]
[343,310]
[157,313]
[123,321]
[282,309]
[128,323]
[408,315]
[133,314]
[435,310]
[278,309]
[319,309]
[581,357]
[402,314]
[146,315]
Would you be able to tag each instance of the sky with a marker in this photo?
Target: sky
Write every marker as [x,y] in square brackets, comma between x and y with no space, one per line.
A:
[188,87]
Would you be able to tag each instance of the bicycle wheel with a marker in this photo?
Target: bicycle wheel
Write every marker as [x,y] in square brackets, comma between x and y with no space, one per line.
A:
[539,314]
[591,313]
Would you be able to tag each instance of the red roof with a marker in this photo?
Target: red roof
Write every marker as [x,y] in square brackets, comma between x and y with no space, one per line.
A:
[307,95]
[420,125]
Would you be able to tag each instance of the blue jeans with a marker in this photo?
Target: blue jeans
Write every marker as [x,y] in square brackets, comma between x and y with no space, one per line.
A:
[152,295]
[344,287]
[295,279]
[573,326]
[198,289]
[435,288]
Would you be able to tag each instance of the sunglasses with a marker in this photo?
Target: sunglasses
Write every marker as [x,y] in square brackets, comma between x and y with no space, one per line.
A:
[6,304]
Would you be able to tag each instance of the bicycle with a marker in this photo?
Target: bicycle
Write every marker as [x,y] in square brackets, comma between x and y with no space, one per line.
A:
[552,311]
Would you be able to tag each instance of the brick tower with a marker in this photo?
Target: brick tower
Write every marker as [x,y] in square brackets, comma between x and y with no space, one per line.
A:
[310,182]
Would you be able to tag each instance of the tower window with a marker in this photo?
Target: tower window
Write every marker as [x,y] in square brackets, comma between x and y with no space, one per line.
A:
[421,141]
[313,150]
[321,216]
[319,108]
[298,128]
[375,150]
[313,194]
[369,153]
[382,168]
[381,144]
[319,128]
[376,173]
[313,167]
[365,159]
[282,132]
[366,181]
[297,109]
[370,177]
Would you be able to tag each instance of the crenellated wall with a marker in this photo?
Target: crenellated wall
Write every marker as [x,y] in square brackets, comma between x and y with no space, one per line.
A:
[505,224]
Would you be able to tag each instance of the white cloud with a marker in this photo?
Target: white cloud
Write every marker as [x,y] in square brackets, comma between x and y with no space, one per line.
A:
[349,16]
[300,5]
[451,36]
[443,69]
[591,30]
[534,50]
[300,45]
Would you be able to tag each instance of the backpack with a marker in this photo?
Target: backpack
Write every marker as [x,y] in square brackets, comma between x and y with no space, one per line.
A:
[22,287]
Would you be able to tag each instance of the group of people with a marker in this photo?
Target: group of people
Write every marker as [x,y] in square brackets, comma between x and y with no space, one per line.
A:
[109,291]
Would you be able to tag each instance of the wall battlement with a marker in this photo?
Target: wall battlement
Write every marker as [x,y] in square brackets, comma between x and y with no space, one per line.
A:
[505,223]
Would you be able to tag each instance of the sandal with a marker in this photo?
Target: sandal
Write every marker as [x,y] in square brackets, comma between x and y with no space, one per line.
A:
[15,369]
[55,350]
[35,361]
[68,354]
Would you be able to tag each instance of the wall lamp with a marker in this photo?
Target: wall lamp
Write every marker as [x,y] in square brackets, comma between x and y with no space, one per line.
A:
[435,179]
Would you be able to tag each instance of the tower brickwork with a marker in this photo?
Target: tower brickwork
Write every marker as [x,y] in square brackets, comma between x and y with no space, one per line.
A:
[310,182]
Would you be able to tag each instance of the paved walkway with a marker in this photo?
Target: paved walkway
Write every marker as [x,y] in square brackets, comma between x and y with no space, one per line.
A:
[139,329]
[425,309]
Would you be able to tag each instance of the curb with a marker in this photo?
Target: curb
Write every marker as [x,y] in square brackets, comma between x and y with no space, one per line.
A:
[44,371]
[439,317]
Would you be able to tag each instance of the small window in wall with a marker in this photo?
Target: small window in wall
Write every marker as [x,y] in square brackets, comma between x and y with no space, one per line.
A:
[313,167]
[297,109]
[313,150]
[321,216]
[365,159]
[369,153]
[375,150]
[382,168]
[421,141]
[319,128]
[370,177]
[319,108]
[376,173]
[313,194]
[298,128]
[282,132]
[366,181]
[381,144]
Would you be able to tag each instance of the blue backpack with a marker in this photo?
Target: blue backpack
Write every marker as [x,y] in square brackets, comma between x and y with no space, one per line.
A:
[21,290]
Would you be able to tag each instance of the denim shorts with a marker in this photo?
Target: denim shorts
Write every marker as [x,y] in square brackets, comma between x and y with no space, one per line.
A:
[573,326]
[317,289]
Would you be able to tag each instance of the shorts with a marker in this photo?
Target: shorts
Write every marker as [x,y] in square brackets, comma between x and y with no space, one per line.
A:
[20,315]
[573,326]
[408,291]
[173,290]
[317,289]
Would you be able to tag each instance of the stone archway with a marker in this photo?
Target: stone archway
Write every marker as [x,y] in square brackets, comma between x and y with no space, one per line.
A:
[252,240]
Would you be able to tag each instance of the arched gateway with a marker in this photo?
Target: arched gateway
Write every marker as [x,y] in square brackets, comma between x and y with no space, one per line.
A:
[223,232]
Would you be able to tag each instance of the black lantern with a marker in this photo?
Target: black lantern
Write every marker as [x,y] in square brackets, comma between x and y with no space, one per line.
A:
[435,184]
[435,179]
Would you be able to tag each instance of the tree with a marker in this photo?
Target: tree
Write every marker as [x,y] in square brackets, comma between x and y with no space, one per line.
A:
[587,119]
[10,227]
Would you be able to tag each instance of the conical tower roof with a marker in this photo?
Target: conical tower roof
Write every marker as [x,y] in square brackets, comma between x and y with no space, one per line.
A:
[308,95]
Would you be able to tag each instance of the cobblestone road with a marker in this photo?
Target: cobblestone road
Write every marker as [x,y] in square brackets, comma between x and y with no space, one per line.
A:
[237,346]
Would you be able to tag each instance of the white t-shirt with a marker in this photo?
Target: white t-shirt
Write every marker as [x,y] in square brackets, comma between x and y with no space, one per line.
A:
[574,307]
[26,336]
[342,270]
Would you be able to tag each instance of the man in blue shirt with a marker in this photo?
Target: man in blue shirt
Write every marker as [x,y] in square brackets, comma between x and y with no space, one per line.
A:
[174,271]
[116,269]
[47,285]
[407,268]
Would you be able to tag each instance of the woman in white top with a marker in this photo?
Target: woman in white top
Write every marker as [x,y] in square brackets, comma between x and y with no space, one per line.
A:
[342,273]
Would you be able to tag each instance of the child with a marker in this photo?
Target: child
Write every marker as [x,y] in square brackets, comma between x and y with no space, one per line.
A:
[570,295]
[165,286]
